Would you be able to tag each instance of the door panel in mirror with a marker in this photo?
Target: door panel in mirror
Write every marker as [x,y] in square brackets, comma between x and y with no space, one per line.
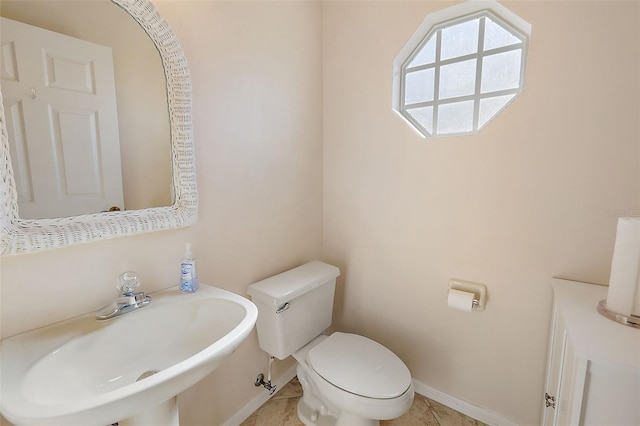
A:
[140,90]
[62,106]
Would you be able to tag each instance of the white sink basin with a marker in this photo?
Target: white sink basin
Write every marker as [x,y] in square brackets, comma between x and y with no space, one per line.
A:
[85,372]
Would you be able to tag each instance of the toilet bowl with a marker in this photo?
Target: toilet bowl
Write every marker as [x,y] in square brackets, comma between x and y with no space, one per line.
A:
[347,379]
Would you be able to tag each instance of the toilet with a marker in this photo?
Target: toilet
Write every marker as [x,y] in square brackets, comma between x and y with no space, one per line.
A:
[347,379]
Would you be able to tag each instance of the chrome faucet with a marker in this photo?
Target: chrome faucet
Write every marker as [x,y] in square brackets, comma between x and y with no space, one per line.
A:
[128,299]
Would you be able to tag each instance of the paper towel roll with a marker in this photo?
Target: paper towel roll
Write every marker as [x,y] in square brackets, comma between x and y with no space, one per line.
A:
[623,295]
[460,300]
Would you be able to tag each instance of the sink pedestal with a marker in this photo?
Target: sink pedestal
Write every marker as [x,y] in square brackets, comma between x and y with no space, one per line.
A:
[165,414]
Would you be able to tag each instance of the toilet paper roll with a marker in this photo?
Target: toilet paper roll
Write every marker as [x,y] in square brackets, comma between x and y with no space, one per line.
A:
[460,300]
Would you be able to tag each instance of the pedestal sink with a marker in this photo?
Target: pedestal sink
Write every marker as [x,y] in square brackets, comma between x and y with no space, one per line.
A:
[85,372]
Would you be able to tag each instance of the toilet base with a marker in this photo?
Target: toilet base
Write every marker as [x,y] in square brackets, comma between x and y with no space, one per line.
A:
[313,411]
[311,417]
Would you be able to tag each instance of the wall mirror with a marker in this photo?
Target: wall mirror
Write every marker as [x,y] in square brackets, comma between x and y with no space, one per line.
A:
[153,120]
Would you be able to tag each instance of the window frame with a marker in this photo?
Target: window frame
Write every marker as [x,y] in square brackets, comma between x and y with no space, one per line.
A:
[432,26]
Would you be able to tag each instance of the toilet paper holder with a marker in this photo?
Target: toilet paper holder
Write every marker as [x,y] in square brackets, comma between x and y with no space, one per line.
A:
[479,292]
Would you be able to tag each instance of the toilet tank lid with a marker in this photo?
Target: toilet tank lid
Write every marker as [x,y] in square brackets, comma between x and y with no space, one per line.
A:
[290,284]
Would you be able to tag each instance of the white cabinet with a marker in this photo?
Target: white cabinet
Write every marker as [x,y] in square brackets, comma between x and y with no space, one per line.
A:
[593,368]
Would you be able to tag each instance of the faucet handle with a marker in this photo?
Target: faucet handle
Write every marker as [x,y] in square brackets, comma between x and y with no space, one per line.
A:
[128,282]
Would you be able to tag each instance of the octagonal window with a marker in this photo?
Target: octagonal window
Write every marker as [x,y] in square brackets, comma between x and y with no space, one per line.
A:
[461,68]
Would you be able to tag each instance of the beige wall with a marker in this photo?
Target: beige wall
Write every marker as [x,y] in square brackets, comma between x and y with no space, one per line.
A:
[256,76]
[528,198]
[277,85]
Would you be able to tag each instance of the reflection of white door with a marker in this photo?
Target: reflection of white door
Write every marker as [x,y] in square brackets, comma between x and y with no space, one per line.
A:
[60,106]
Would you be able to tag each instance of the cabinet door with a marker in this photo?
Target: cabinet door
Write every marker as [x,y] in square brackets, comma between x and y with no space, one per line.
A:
[611,395]
[571,389]
[557,341]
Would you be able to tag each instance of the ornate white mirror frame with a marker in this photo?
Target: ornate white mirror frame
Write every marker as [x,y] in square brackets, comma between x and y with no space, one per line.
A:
[32,235]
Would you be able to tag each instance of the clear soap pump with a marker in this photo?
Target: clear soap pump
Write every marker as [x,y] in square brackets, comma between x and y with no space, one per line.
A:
[188,275]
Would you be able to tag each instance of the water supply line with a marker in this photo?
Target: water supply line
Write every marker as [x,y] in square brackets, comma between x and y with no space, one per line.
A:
[266,384]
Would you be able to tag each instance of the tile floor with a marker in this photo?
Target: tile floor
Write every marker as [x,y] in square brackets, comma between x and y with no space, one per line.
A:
[280,410]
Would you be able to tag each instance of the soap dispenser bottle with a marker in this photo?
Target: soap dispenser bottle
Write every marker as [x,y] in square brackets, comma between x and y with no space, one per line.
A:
[188,275]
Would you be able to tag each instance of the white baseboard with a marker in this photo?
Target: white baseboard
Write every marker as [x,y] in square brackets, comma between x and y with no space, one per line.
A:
[253,405]
[470,410]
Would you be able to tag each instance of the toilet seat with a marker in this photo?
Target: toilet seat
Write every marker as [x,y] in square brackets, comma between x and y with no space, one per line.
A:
[360,366]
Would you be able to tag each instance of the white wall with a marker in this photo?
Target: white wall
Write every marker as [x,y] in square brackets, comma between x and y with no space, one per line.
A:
[528,198]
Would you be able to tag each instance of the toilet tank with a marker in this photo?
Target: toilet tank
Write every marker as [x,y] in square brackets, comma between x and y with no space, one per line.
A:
[294,307]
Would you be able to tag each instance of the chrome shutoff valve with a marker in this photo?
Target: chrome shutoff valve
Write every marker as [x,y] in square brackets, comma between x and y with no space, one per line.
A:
[267,385]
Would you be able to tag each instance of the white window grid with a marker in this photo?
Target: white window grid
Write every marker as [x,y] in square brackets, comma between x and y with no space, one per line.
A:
[428,124]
